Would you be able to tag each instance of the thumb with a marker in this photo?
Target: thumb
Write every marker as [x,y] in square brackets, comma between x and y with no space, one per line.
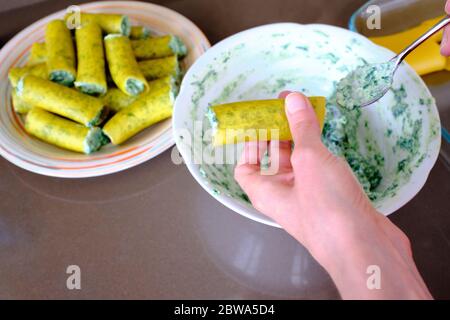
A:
[305,127]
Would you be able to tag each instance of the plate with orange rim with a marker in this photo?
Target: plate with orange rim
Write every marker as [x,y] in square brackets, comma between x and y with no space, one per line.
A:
[34,155]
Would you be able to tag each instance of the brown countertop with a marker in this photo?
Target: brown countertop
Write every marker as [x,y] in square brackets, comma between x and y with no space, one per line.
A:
[152,232]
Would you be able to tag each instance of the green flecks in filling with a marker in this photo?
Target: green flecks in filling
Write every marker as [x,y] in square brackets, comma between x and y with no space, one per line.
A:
[62,77]
[125,26]
[207,80]
[99,118]
[134,86]
[365,84]
[330,57]
[95,140]
[401,165]
[90,88]
[400,105]
[355,42]
[303,48]
[212,118]
[177,46]
[340,137]
[229,89]
[323,34]
[411,142]
[388,133]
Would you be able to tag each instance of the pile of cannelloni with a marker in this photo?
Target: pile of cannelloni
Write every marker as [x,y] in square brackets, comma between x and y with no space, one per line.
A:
[100,83]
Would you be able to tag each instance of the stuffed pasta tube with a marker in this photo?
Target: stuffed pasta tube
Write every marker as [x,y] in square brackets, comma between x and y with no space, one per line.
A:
[254,120]
[91,76]
[61,100]
[38,70]
[63,133]
[110,23]
[116,100]
[147,110]
[123,66]
[158,47]
[139,32]
[38,53]
[60,53]
[159,68]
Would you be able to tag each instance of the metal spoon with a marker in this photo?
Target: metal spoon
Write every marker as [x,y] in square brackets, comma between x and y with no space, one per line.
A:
[369,83]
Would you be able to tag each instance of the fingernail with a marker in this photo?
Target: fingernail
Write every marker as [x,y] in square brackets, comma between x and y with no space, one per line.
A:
[295,102]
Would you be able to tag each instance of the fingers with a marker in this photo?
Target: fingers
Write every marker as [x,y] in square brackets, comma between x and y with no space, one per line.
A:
[280,155]
[248,166]
[284,94]
[305,128]
[253,153]
[248,170]
[445,43]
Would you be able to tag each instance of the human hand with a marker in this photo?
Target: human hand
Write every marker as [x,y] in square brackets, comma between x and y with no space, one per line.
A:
[314,192]
[445,44]
[316,198]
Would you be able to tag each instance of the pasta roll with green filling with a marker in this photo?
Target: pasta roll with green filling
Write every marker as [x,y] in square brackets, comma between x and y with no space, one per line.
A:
[158,47]
[139,32]
[61,100]
[60,53]
[158,68]
[147,110]
[18,104]
[38,53]
[91,76]
[116,100]
[38,70]
[254,120]
[123,66]
[110,23]
[63,133]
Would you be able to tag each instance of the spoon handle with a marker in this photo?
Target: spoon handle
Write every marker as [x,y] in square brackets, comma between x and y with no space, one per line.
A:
[402,55]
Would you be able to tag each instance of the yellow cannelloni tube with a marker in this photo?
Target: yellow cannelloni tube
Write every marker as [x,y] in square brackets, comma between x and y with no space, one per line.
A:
[110,23]
[262,120]
[91,77]
[151,69]
[61,100]
[147,110]
[62,132]
[158,68]
[158,47]
[116,100]
[123,66]
[38,53]
[18,104]
[139,32]
[60,53]
[38,70]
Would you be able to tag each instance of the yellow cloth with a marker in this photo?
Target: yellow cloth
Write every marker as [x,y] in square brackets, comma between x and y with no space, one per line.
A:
[427,57]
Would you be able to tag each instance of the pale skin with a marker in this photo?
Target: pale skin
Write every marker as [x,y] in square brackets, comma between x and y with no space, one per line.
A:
[316,198]
[445,44]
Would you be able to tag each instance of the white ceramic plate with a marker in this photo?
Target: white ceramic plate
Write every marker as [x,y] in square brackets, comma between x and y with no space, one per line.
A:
[36,156]
[261,62]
